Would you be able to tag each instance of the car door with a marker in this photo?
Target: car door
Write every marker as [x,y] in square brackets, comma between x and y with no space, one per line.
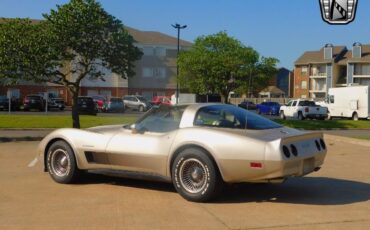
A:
[129,102]
[145,146]
[288,110]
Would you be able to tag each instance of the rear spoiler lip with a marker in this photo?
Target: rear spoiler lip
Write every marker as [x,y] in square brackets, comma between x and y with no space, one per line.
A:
[304,136]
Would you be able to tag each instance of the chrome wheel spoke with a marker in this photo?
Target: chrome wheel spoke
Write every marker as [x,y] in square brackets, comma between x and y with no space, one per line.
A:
[60,162]
[193,176]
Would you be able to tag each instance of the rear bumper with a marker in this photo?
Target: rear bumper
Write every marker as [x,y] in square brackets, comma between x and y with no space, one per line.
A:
[313,116]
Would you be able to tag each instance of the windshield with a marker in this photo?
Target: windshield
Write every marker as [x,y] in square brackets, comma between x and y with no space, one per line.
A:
[228,116]
[141,98]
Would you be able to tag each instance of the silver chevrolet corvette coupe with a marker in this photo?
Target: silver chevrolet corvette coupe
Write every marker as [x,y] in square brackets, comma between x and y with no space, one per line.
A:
[197,147]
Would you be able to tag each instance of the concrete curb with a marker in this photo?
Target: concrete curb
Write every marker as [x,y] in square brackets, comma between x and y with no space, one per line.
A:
[335,138]
[17,139]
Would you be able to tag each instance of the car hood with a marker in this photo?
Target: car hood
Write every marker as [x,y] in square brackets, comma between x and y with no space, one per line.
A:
[106,129]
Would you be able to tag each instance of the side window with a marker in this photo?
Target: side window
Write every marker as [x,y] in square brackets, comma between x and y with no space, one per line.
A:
[294,103]
[289,103]
[216,117]
[161,120]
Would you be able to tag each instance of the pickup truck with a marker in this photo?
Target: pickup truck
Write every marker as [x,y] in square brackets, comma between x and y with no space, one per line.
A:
[303,109]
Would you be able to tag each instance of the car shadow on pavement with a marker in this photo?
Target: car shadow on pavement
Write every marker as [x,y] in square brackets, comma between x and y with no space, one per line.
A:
[305,190]
[150,183]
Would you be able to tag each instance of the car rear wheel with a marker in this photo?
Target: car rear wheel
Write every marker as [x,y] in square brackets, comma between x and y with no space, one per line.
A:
[141,108]
[355,116]
[195,176]
[300,116]
[61,163]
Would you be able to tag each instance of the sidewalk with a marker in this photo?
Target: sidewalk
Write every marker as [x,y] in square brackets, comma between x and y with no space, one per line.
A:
[8,135]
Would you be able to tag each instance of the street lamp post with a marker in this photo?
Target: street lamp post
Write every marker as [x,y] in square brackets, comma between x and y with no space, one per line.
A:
[178,27]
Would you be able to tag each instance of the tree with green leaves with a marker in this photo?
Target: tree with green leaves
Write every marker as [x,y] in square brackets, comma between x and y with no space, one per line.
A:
[77,40]
[220,64]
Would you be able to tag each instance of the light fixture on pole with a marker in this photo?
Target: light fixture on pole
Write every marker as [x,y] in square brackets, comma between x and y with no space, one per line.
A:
[178,27]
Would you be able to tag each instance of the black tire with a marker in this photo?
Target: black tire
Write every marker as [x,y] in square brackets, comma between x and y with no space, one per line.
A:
[300,116]
[61,163]
[282,115]
[355,116]
[193,164]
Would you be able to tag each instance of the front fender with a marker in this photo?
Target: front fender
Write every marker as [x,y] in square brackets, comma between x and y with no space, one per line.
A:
[79,140]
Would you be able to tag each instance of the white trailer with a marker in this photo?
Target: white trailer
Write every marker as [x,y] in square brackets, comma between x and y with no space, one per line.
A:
[184,98]
[349,102]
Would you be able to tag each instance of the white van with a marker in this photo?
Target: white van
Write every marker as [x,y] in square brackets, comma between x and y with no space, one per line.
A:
[349,102]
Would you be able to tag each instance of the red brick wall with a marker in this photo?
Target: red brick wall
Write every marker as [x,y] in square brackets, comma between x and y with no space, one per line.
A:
[298,78]
[168,92]
[25,90]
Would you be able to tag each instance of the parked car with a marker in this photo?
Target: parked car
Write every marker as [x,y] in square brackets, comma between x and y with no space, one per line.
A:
[198,147]
[4,103]
[303,109]
[271,108]
[86,105]
[248,105]
[99,101]
[136,102]
[157,100]
[33,102]
[56,103]
[114,104]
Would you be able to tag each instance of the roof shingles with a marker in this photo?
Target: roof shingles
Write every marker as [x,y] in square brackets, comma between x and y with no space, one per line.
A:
[311,57]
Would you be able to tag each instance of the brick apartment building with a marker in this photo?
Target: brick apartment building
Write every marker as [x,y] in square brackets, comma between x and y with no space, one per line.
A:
[332,66]
[155,72]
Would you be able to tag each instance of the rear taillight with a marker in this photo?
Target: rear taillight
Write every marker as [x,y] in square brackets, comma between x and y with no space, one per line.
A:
[306,109]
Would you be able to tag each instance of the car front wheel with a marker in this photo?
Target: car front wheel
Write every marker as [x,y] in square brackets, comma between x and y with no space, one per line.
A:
[195,176]
[61,163]
[282,115]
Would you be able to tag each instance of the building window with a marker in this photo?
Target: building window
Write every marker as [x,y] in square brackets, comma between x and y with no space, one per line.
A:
[148,51]
[160,73]
[106,93]
[14,93]
[160,51]
[362,69]
[304,85]
[147,72]
[304,70]
[148,95]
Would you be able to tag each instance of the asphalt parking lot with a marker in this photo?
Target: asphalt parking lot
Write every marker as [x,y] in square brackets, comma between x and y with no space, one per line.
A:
[336,197]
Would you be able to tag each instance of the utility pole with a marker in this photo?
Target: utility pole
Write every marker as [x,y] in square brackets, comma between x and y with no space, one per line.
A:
[178,27]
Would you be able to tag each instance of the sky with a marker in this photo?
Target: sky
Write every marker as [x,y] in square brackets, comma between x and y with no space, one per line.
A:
[275,28]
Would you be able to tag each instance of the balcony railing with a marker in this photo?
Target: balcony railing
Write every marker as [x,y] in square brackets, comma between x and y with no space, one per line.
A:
[320,74]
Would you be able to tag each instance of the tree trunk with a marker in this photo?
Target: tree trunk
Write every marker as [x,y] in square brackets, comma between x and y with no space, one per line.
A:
[225,97]
[75,116]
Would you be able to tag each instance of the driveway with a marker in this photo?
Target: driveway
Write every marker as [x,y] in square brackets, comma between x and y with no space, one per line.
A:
[336,197]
